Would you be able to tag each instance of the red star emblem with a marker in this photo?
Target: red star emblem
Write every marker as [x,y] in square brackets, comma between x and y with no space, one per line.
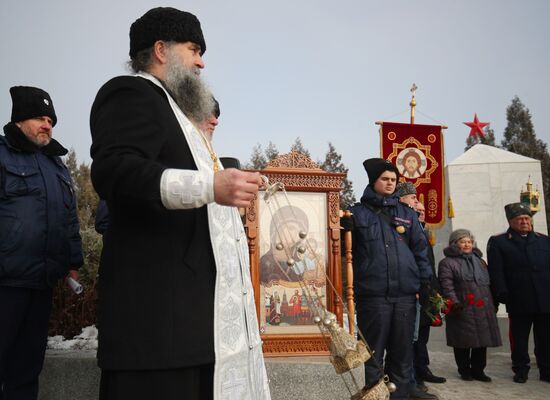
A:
[477,127]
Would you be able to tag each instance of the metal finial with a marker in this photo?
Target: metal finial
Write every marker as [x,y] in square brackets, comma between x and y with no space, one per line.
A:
[413,101]
[413,89]
[530,197]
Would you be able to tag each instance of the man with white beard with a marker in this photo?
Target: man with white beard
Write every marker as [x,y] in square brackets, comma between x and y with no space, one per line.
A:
[176,312]
[208,126]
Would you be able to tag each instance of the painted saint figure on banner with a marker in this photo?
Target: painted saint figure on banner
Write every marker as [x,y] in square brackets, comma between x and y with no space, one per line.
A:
[417,152]
[411,162]
[273,309]
[296,303]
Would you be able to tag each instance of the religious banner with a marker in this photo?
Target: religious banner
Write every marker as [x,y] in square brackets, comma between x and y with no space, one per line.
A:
[417,151]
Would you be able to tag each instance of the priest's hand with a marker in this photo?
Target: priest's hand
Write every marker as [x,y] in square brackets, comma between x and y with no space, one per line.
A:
[233,187]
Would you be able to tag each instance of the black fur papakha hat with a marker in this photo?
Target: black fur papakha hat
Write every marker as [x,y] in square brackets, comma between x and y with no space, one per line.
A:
[31,102]
[405,188]
[165,23]
[376,166]
[514,210]
[217,111]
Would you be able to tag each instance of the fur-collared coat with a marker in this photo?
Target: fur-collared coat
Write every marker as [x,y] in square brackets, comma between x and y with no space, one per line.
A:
[468,325]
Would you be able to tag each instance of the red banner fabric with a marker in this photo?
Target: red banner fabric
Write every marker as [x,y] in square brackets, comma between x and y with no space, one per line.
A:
[417,151]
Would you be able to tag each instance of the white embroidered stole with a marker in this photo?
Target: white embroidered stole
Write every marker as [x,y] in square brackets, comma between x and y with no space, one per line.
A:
[240,370]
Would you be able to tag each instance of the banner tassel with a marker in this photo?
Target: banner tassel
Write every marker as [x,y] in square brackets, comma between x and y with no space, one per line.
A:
[431,238]
[451,210]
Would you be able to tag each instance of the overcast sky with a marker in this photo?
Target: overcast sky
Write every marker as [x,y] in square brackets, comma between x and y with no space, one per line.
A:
[323,71]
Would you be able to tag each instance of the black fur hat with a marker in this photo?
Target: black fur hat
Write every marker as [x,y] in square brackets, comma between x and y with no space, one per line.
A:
[514,210]
[216,108]
[376,166]
[30,102]
[165,23]
[405,188]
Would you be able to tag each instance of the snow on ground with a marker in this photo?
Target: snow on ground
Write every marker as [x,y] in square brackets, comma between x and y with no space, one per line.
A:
[87,340]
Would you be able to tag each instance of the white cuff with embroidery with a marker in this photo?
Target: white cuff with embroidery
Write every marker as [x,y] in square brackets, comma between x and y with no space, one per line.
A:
[184,189]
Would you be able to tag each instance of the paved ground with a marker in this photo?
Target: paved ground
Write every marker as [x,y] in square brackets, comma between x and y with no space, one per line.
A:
[502,387]
[442,363]
[318,381]
[498,367]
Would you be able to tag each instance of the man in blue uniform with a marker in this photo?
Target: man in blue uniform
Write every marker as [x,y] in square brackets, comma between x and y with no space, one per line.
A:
[519,266]
[421,372]
[39,237]
[390,262]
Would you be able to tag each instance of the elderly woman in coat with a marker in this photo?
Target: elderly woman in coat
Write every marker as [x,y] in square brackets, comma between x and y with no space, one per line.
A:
[472,324]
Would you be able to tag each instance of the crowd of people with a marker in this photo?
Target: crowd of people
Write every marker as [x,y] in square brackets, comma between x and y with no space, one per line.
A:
[397,287]
[173,234]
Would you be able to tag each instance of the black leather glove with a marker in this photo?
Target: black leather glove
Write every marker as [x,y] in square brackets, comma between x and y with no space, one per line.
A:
[425,292]
[501,298]
[434,283]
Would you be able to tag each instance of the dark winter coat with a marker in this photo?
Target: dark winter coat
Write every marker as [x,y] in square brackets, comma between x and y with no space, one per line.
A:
[468,325]
[39,230]
[101,223]
[425,319]
[157,271]
[520,271]
[387,263]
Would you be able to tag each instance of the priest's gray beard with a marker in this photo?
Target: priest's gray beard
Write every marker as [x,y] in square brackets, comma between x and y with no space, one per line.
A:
[189,91]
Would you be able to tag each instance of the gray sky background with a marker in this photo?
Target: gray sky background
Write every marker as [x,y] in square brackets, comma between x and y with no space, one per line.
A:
[321,70]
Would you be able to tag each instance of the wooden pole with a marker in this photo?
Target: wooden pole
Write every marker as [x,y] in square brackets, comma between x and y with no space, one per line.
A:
[349,277]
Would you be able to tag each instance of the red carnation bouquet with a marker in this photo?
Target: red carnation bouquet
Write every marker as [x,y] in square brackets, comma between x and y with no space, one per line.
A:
[438,307]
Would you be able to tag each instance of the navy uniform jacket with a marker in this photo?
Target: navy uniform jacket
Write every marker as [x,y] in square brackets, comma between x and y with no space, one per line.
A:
[387,263]
[39,230]
[520,271]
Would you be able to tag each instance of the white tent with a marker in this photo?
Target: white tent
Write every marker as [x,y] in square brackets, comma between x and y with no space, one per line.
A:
[480,183]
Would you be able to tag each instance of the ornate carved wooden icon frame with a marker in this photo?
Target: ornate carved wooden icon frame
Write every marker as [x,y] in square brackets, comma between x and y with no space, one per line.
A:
[285,323]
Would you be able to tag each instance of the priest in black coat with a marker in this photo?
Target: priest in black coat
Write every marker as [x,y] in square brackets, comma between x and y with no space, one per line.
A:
[157,279]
